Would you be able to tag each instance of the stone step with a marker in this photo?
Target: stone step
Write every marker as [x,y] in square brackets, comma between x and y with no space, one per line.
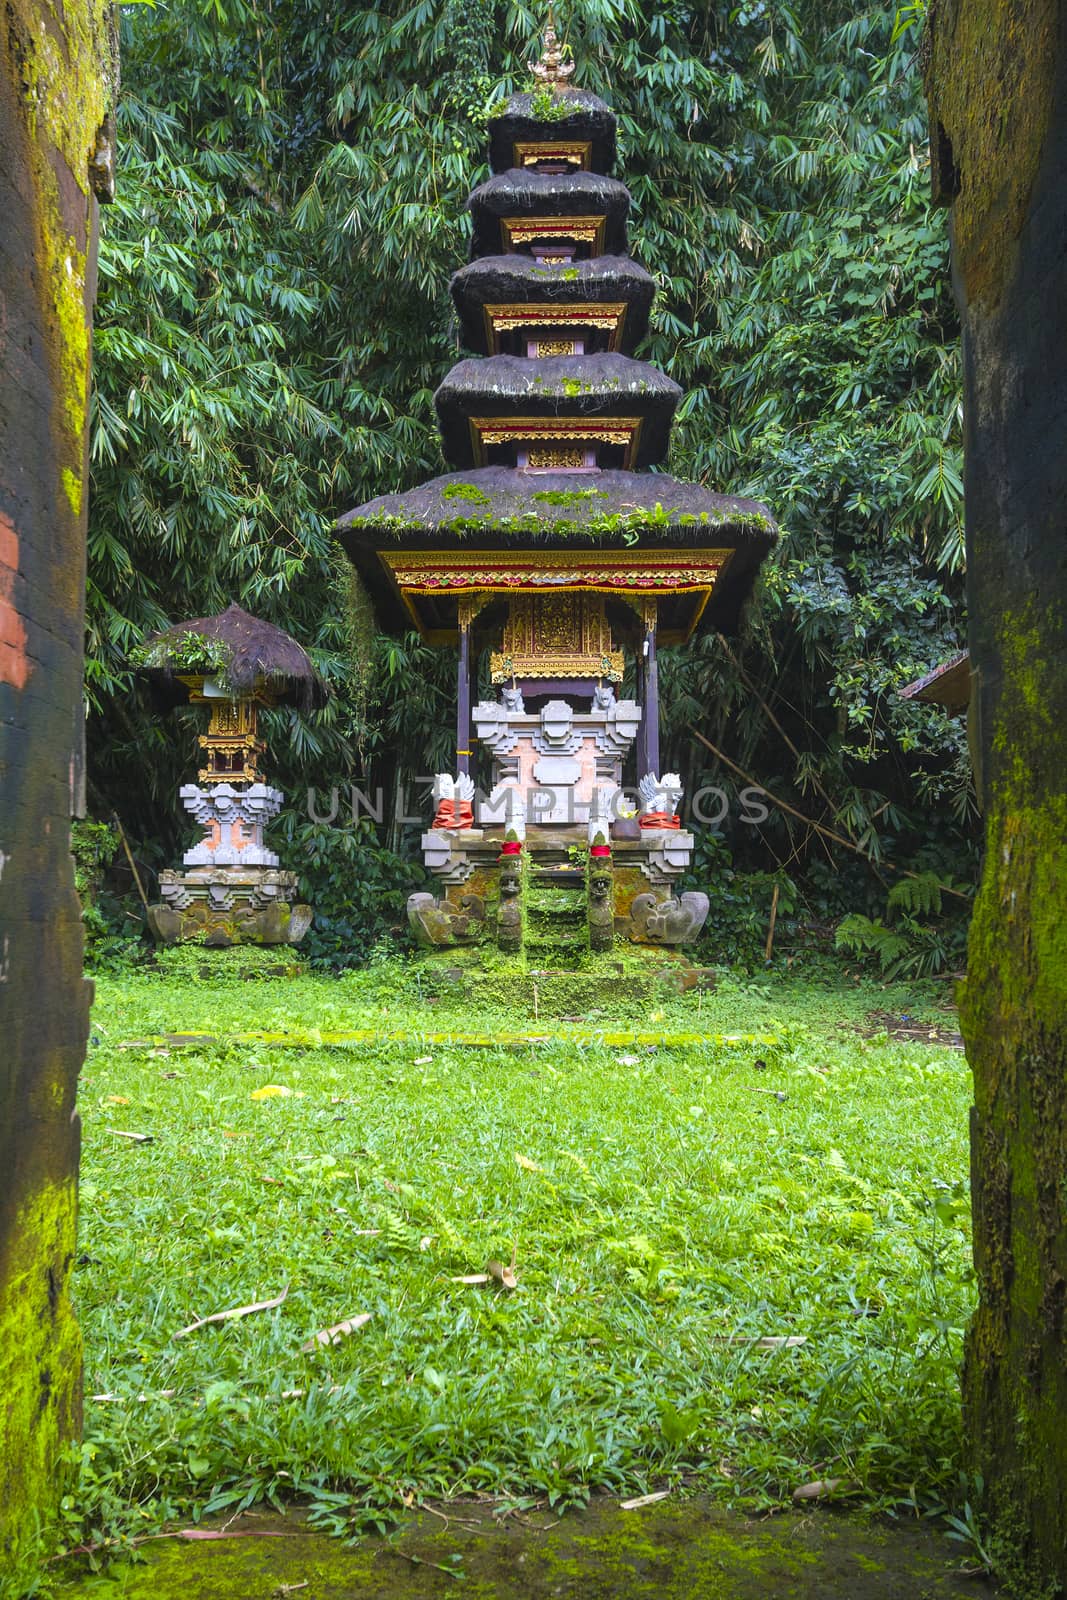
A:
[555,899]
[563,877]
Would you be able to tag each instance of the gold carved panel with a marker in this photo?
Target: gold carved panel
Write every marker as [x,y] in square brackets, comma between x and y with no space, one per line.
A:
[516,231]
[576,152]
[557,636]
[609,315]
[487,431]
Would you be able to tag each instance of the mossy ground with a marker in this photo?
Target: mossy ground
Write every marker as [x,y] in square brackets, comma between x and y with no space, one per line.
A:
[659,1552]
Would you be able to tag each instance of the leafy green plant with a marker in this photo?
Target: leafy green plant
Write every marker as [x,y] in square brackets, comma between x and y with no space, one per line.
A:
[546,105]
[740,903]
[189,652]
[357,887]
[911,947]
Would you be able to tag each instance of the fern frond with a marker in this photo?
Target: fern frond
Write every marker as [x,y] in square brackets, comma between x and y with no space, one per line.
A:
[919,896]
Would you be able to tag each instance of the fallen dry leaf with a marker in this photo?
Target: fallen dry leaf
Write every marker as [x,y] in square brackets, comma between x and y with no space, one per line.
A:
[270,1091]
[339,1331]
[502,1274]
[236,1311]
[643,1500]
[822,1487]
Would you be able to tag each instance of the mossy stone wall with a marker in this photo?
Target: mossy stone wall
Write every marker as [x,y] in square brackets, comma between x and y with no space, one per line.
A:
[55,69]
[998,102]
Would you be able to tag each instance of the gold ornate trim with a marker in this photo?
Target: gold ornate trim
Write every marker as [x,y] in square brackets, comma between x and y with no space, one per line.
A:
[607,314]
[528,152]
[556,66]
[482,573]
[470,605]
[517,231]
[487,431]
[610,665]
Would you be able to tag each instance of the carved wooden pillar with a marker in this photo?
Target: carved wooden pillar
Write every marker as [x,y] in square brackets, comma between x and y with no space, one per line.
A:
[463,694]
[651,717]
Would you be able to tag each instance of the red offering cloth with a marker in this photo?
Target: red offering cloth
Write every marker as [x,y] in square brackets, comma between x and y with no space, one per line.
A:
[660,819]
[454,814]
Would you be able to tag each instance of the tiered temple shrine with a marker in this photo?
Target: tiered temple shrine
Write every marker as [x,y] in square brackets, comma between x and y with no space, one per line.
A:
[231,889]
[557,547]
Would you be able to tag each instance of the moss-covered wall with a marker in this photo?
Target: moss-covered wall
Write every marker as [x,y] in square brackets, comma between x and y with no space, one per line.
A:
[55,66]
[998,101]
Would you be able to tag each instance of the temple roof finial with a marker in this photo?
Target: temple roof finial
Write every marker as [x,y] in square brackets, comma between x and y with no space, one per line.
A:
[552,70]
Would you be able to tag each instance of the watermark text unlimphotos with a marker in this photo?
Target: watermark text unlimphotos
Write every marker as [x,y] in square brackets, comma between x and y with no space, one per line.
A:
[709,806]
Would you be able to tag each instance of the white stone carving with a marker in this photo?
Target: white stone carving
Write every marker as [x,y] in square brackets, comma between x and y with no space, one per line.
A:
[660,794]
[601,812]
[233,821]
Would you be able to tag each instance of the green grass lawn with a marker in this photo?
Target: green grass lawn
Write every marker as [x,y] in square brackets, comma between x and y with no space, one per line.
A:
[667,1208]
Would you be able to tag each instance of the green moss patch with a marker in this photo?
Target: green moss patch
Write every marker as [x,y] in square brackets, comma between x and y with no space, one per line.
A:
[671,1551]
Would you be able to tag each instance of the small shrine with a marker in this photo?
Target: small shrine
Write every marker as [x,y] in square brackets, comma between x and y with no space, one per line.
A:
[559,549]
[231,889]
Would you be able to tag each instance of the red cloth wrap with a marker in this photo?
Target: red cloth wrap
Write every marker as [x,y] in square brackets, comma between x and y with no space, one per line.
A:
[454,814]
[660,819]
[511,847]
[600,850]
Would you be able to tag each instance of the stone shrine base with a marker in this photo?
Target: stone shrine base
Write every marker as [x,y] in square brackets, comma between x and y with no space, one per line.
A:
[553,901]
[220,906]
[625,983]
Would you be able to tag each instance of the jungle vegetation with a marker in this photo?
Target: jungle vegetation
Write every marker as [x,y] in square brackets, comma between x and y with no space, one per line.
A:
[273,319]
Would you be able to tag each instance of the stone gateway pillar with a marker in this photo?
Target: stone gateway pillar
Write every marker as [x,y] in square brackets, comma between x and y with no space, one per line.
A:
[55,66]
[998,134]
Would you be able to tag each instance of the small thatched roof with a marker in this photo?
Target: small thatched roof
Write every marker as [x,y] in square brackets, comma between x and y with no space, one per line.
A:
[948,685]
[519,193]
[586,120]
[517,279]
[246,653]
[557,387]
[501,508]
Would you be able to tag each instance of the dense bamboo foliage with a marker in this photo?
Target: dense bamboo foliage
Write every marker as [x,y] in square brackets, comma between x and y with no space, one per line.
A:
[274,318]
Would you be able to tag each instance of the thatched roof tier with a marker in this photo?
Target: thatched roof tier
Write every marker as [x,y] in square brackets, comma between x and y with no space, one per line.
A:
[584,120]
[948,685]
[601,205]
[246,654]
[556,389]
[515,280]
[502,509]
